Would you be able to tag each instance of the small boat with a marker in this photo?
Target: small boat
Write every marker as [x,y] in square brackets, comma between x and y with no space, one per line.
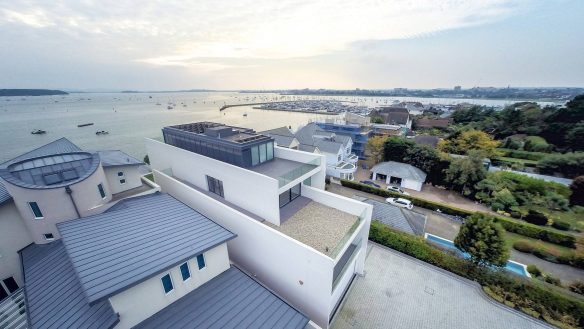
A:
[85,124]
[169,107]
[245,114]
[157,103]
[38,132]
[101,132]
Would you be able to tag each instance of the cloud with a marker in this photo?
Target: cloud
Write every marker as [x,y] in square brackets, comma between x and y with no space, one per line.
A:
[180,33]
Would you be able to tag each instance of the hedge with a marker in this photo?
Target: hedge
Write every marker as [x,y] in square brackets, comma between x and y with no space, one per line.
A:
[510,225]
[533,299]
[526,155]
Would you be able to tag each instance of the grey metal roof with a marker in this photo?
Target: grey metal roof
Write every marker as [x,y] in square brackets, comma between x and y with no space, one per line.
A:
[51,171]
[282,131]
[328,146]
[4,195]
[389,215]
[54,296]
[283,141]
[307,148]
[118,249]
[112,158]
[230,300]
[59,146]
[399,169]
[306,135]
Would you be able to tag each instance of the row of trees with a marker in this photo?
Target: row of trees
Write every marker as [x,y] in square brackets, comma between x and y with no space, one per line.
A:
[561,126]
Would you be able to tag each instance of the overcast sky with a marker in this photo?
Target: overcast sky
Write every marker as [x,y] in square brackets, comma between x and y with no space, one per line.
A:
[265,44]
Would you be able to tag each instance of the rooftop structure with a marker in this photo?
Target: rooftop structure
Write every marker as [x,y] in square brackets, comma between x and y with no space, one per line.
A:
[353,131]
[400,174]
[427,140]
[394,116]
[109,253]
[235,145]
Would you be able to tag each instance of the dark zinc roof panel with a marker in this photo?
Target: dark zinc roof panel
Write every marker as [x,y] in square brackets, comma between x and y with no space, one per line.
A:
[54,297]
[117,249]
[59,146]
[114,158]
[230,300]
[4,195]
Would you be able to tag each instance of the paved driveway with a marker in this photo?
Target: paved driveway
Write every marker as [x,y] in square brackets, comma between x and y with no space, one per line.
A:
[400,292]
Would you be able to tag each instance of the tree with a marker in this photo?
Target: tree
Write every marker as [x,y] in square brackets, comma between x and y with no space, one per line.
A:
[568,164]
[483,240]
[503,200]
[376,148]
[577,187]
[396,149]
[422,156]
[466,172]
[376,119]
[469,140]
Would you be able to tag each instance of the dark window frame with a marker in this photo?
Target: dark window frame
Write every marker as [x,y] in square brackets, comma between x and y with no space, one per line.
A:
[183,273]
[164,284]
[36,210]
[215,186]
[101,190]
[201,262]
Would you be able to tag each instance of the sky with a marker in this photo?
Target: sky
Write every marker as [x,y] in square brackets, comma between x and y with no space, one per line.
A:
[285,44]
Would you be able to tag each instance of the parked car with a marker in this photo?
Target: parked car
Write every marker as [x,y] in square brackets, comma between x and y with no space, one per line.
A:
[397,190]
[399,202]
[370,183]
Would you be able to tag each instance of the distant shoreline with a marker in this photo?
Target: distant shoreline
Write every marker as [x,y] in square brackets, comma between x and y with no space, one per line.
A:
[30,92]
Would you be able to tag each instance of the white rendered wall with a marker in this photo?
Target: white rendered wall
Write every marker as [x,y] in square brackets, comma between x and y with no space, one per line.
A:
[13,237]
[318,178]
[298,273]
[247,189]
[141,301]
[56,205]
[411,184]
[131,175]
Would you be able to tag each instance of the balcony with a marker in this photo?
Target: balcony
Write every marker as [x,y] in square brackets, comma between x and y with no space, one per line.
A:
[352,158]
[343,167]
[285,171]
[321,227]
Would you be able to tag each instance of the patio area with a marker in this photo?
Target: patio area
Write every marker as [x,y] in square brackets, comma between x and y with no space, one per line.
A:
[316,225]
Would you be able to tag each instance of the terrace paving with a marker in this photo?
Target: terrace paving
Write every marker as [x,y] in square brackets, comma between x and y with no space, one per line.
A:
[398,291]
[318,226]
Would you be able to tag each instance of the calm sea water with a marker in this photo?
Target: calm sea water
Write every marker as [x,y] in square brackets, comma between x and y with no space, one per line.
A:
[130,117]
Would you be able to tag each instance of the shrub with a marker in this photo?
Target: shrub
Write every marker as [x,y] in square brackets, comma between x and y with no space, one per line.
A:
[533,270]
[483,240]
[510,225]
[536,144]
[553,305]
[562,225]
[577,287]
[536,217]
[523,246]
[551,279]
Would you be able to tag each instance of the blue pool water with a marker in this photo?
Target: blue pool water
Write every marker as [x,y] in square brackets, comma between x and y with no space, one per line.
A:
[512,266]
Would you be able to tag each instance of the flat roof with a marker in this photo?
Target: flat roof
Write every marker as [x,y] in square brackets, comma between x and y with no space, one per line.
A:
[114,158]
[54,295]
[213,130]
[279,167]
[316,225]
[230,300]
[135,240]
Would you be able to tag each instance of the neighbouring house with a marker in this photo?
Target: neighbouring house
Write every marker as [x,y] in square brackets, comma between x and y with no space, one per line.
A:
[384,130]
[401,219]
[304,243]
[283,137]
[399,116]
[138,259]
[337,149]
[359,136]
[399,174]
[425,123]
[353,118]
[427,140]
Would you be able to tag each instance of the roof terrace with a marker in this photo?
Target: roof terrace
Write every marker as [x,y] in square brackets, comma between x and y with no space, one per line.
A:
[285,170]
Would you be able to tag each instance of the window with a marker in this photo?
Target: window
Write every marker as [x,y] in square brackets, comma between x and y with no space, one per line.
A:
[101,190]
[262,153]
[215,186]
[36,210]
[255,156]
[339,159]
[120,174]
[122,181]
[201,261]
[288,196]
[49,236]
[10,284]
[185,272]
[167,284]
[3,293]
[270,146]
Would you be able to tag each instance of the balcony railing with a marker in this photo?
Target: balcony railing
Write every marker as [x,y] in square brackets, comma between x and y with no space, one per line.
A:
[13,311]
[297,172]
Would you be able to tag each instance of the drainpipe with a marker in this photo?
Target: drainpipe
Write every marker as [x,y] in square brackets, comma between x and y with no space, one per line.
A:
[70,193]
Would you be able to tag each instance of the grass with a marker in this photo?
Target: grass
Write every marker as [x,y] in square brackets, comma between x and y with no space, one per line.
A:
[515,160]
[574,216]
[150,177]
[511,238]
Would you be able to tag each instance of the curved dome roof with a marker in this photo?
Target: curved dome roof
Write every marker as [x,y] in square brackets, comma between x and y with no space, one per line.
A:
[51,171]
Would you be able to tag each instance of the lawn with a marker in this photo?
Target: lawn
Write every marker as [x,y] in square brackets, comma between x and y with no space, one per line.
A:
[575,216]
[149,177]
[553,249]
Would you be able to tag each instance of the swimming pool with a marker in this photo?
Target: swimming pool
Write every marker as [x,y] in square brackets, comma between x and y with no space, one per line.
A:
[511,266]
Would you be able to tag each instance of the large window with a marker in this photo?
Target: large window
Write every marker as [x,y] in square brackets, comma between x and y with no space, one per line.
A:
[262,153]
[167,284]
[255,156]
[270,147]
[101,190]
[290,195]
[201,261]
[38,214]
[185,272]
[215,186]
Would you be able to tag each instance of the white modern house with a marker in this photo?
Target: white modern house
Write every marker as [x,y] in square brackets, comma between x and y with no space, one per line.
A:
[337,149]
[302,242]
[399,174]
[138,259]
